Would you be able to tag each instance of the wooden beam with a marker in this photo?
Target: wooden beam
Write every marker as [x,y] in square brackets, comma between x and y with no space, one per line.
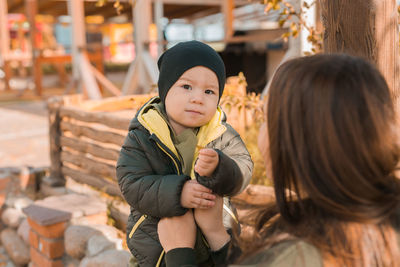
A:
[82,74]
[4,43]
[365,28]
[54,104]
[387,45]
[108,85]
[4,34]
[136,80]
[98,182]
[158,14]
[227,10]
[86,147]
[201,2]
[91,165]
[87,77]
[106,119]
[15,5]
[31,7]
[95,134]
[266,35]
[75,10]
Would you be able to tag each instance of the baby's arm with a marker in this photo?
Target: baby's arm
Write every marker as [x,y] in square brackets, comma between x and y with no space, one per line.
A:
[149,193]
[206,162]
[234,168]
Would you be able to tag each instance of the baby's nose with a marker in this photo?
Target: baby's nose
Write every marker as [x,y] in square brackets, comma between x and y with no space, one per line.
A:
[196,96]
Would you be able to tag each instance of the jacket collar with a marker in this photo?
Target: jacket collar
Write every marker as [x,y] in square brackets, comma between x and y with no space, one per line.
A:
[153,121]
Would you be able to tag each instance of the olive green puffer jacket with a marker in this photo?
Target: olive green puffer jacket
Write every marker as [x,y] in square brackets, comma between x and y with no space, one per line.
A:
[150,175]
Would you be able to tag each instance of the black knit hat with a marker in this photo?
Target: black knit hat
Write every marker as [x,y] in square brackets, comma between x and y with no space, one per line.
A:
[186,55]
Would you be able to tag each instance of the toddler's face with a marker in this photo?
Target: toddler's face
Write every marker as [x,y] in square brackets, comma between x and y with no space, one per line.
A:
[192,101]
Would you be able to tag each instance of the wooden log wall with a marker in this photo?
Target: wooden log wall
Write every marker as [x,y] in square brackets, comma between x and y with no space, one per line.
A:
[86,137]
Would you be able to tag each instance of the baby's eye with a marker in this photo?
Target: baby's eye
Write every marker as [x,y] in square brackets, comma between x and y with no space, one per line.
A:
[187,86]
[209,92]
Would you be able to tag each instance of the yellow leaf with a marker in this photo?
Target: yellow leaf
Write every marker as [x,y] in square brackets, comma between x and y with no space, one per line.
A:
[293,26]
[285,12]
[100,3]
[268,7]
[276,6]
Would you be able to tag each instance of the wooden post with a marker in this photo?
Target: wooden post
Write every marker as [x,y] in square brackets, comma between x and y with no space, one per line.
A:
[56,176]
[387,44]
[227,9]
[75,10]
[143,70]
[366,28]
[4,42]
[158,14]
[82,74]
[31,11]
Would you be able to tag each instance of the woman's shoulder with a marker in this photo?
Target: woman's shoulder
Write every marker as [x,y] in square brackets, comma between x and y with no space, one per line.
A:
[287,253]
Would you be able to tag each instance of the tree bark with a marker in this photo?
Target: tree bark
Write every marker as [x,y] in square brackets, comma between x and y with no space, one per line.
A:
[365,28]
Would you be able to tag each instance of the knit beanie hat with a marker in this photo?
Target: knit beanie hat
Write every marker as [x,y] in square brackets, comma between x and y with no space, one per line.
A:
[186,55]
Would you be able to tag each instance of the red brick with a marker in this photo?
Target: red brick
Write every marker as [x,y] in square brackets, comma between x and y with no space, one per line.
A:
[27,178]
[33,239]
[50,231]
[4,182]
[40,260]
[2,198]
[52,248]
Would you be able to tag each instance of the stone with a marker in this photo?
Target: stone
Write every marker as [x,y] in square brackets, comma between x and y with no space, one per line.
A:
[12,217]
[46,216]
[111,233]
[4,259]
[75,240]
[23,230]
[76,204]
[109,258]
[22,202]
[97,244]
[16,248]
[70,262]
[74,187]
[48,190]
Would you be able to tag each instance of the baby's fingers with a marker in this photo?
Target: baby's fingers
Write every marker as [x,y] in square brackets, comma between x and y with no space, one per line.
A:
[199,203]
[204,195]
[208,152]
[206,159]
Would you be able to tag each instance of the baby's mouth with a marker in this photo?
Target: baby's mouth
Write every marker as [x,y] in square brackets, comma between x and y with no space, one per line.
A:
[194,111]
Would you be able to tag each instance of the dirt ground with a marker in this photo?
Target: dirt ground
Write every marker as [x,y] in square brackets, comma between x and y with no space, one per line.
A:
[24,137]
[24,129]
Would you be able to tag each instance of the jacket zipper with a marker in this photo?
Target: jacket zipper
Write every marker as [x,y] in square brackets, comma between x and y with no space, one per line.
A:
[136,226]
[143,217]
[166,150]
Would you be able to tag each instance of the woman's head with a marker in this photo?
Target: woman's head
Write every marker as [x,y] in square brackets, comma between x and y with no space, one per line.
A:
[332,139]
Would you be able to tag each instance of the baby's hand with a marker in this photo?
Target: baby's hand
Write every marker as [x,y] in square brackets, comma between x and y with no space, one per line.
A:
[195,195]
[206,162]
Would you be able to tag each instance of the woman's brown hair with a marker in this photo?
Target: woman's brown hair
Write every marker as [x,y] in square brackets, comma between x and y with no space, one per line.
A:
[333,147]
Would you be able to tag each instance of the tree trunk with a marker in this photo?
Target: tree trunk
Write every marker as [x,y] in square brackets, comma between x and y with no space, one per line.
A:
[366,28]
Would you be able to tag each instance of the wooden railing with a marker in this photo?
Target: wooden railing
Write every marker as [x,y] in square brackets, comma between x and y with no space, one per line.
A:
[86,135]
